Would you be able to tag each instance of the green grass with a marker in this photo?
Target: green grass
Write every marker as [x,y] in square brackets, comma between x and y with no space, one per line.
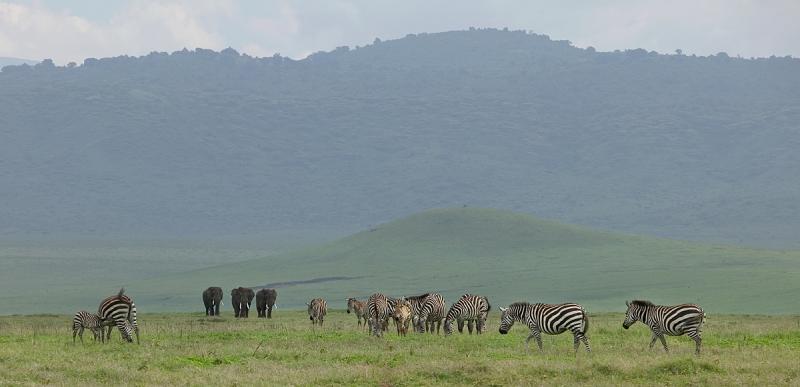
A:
[287,350]
[506,256]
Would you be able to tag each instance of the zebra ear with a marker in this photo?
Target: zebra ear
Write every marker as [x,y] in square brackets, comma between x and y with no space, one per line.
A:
[627,303]
[503,309]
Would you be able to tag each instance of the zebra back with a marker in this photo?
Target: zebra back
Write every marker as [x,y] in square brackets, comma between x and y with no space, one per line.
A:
[86,320]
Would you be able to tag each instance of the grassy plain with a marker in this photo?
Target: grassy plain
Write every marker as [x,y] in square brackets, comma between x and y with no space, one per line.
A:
[504,255]
[190,349]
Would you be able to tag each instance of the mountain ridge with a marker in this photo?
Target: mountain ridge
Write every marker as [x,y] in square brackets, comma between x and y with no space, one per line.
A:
[200,143]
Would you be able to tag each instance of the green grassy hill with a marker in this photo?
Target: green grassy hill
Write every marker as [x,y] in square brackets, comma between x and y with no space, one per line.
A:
[503,255]
[508,257]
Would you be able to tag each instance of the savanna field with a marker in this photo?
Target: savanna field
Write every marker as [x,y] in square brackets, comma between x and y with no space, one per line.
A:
[192,349]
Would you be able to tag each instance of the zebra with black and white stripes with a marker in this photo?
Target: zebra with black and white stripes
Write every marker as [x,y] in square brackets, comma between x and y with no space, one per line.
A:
[673,320]
[379,310]
[85,320]
[416,306]
[120,311]
[469,308]
[432,311]
[552,319]
[317,309]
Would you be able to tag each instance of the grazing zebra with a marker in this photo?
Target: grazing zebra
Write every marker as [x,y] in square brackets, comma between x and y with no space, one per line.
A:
[378,310]
[317,309]
[667,320]
[84,319]
[416,306]
[551,319]
[402,316]
[468,308]
[432,311]
[359,308]
[120,310]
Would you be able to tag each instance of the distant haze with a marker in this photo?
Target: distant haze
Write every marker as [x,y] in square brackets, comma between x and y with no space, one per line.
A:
[203,143]
[72,31]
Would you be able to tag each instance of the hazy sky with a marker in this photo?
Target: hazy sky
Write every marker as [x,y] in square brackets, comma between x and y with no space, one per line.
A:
[73,30]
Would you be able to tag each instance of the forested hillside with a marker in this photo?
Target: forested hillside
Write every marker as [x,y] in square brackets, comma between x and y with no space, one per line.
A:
[200,143]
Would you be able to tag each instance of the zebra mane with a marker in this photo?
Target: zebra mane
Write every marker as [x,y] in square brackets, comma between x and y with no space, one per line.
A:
[519,304]
[420,297]
[642,303]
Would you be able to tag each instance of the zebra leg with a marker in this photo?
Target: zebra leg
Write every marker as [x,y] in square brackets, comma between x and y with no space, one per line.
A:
[110,328]
[586,342]
[697,341]
[663,342]
[575,342]
[653,340]
[469,326]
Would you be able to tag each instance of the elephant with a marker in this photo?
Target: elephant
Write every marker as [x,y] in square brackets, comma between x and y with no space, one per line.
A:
[265,301]
[241,298]
[212,298]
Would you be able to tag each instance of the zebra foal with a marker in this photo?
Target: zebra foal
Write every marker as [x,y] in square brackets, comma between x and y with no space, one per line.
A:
[317,309]
[359,308]
[85,320]
[552,319]
[675,320]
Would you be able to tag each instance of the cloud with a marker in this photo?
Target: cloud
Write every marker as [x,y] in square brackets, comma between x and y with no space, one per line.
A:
[37,32]
[46,29]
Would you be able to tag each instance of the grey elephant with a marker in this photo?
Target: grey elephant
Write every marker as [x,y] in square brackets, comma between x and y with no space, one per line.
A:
[212,298]
[265,300]
[241,298]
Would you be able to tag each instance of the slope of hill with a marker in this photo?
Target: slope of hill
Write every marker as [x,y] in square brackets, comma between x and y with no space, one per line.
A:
[6,61]
[504,255]
[203,143]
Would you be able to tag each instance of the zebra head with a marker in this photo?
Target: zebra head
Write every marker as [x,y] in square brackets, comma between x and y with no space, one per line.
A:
[635,312]
[126,328]
[351,304]
[448,325]
[506,320]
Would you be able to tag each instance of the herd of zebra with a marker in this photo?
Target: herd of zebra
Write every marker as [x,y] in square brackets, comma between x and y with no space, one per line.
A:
[421,312]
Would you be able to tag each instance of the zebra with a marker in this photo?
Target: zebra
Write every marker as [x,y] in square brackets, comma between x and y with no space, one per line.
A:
[416,306]
[84,319]
[359,308]
[552,319]
[379,310]
[402,315]
[120,310]
[317,309]
[673,320]
[468,308]
[432,311]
